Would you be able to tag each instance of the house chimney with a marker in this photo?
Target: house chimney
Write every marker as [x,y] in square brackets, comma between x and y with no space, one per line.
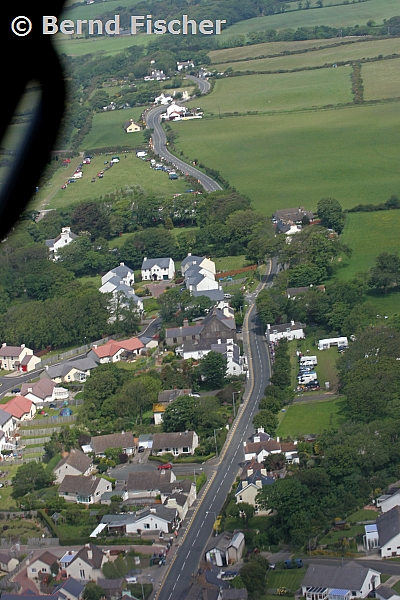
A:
[4,345]
[263,472]
[145,258]
[292,323]
[185,322]
[268,326]
[121,264]
[249,472]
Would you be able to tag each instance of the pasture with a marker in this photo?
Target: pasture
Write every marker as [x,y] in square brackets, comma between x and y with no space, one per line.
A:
[277,92]
[329,55]
[92,11]
[296,159]
[107,129]
[129,172]
[368,234]
[381,81]
[94,45]
[334,16]
[311,417]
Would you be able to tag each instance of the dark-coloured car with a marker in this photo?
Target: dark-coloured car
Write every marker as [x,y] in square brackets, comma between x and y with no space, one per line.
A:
[141,449]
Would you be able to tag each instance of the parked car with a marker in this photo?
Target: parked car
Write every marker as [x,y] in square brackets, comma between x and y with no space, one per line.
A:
[131,579]
[166,466]
[141,449]
[16,390]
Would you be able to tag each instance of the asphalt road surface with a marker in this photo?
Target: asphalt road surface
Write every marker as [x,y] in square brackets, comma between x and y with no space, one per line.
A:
[160,142]
[190,553]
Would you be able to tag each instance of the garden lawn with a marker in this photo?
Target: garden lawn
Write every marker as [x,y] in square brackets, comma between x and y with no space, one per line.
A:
[329,55]
[334,536]
[362,515]
[335,16]
[312,417]
[278,92]
[289,578]
[381,79]
[6,502]
[285,160]
[369,234]
[230,263]
[326,366]
[128,173]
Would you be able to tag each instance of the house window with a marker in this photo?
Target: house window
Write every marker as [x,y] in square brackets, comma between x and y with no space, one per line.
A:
[147,525]
[175,450]
[82,574]
[174,340]
[240,498]
[33,570]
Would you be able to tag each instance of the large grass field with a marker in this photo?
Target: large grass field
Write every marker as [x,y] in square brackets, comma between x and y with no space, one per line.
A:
[94,45]
[286,91]
[334,16]
[312,417]
[326,367]
[368,234]
[287,160]
[290,579]
[381,81]
[130,171]
[329,55]
[107,129]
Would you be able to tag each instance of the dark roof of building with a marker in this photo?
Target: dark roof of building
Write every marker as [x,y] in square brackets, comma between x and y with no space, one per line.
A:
[10,351]
[163,512]
[286,327]
[388,525]
[72,586]
[173,440]
[47,558]
[171,395]
[256,447]
[234,594]
[111,584]
[148,263]
[182,486]
[198,592]
[96,559]
[350,576]
[81,484]
[214,295]
[148,480]
[180,499]
[4,417]
[183,331]
[293,214]
[101,443]
[76,459]
[192,260]
[386,592]
[42,388]
[297,290]
[221,541]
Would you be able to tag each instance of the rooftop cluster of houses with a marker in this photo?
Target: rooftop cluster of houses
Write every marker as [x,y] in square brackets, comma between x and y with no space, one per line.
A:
[199,275]
[119,280]
[262,445]
[290,220]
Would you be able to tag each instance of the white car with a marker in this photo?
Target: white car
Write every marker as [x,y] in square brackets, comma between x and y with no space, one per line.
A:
[131,579]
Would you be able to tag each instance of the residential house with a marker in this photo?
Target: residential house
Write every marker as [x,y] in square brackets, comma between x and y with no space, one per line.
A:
[185,64]
[131,126]
[158,269]
[43,391]
[196,591]
[112,587]
[164,400]
[289,331]
[7,423]
[20,408]
[178,501]
[340,342]
[65,560]
[124,440]
[143,485]
[148,343]
[7,562]
[383,592]
[201,261]
[12,358]
[174,111]
[226,548]
[74,463]
[87,563]
[259,450]
[288,228]
[70,589]
[334,582]
[389,500]
[197,349]
[75,370]
[83,489]
[66,237]
[388,525]
[199,274]
[122,272]
[145,440]
[216,325]
[41,566]
[294,215]
[216,296]
[163,99]
[116,351]
[251,484]
[154,519]
[180,443]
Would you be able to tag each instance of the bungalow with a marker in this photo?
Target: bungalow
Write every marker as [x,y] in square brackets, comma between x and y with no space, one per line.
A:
[7,562]
[175,443]
[158,269]
[87,563]
[17,358]
[388,526]
[289,331]
[20,408]
[185,64]
[101,443]
[131,126]
[146,485]
[43,391]
[339,582]
[41,565]
[226,548]
[74,463]
[63,239]
[77,369]
[296,215]
[83,489]
[383,592]
[155,519]
[117,351]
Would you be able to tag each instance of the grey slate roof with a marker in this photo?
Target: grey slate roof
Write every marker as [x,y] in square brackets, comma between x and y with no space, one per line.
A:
[10,351]
[171,395]
[72,586]
[97,556]
[192,260]
[286,326]
[148,480]
[221,541]
[350,576]
[234,594]
[148,263]
[110,584]
[173,440]
[388,525]
[100,443]
[41,389]
[76,459]
[121,271]
[183,331]
[4,417]
[293,214]
[386,592]
[79,484]
[168,514]
[214,295]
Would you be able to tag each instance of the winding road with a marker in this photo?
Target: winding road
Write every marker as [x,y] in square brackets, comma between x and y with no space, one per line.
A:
[190,553]
[160,141]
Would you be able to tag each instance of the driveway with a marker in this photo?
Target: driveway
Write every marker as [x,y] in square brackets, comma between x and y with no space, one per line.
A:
[157,289]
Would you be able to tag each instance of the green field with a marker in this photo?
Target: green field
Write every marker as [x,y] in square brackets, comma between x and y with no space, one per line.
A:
[106,44]
[107,129]
[91,11]
[368,234]
[381,81]
[335,16]
[130,171]
[265,49]
[329,55]
[290,579]
[312,417]
[286,91]
[326,367]
[287,160]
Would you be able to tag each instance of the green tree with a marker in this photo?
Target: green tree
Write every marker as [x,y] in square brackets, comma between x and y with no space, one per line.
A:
[266,419]
[331,214]
[93,591]
[29,477]
[213,368]
[386,273]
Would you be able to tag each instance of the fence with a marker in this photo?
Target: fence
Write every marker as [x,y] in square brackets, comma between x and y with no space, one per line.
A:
[233,282]
[6,584]
[34,441]
[43,541]
[48,421]
[70,353]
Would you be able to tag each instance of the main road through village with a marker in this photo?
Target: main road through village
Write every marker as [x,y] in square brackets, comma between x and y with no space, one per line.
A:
[190,552]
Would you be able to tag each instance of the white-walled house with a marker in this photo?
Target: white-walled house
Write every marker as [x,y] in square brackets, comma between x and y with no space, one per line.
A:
[176,443]
[66,237]
[388,525]
[87,563]
[83,489]
[43,391]
[7,422]
[17,358]
[289,331]
[202,261]
[352,579]
[124,274]
[158,269]
[22,409]
[198,349]
[389,500]
[75,463]
[41,564]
